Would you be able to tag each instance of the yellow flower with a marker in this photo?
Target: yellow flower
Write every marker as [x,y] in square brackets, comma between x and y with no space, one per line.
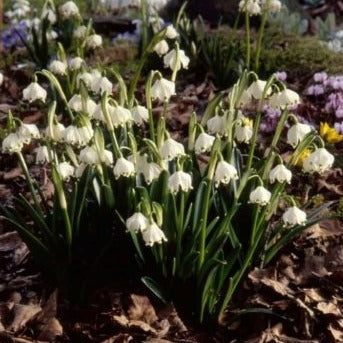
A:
[329,134]
[306,153]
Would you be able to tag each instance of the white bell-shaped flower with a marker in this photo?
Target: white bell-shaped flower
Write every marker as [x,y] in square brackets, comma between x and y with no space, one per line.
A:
[319,161]
[93,41]
[252,7]
[101,85]
[89,155]
[76,63]
[203,143]
[225,172]
[65,170]
[42,155]
[244,130]
[27,132]
[217,125]
[86,78]
[176,60]
[153,234]
[49,14]
[272,6]
[280,174]
[138,222]
[1,79]
[12,143]
[120,116]
[79,170]
[77,105]
[124,168]
[161,48]
[171,149]
[294,216]
[257,88]
[34,92]
[171,32]
[140,115]
[69,10]
[260,196]
[80,32]
[284,99]
[55,132]
[86,133]
[180,181]
[150,170]
[162,89]
[71,135]
[297,133]
[58,67]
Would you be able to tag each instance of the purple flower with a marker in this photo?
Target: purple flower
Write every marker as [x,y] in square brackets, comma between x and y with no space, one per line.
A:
[281,75]
[320,77]
[339,127]
[339,112]
[315,90]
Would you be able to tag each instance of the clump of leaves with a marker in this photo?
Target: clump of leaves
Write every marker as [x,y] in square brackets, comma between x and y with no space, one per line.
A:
[296,56]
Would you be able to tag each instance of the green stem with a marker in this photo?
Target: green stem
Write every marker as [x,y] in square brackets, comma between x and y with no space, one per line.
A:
[29,182]
[203,232]
[259,41]
[254,139]
[180,229]
[247,29]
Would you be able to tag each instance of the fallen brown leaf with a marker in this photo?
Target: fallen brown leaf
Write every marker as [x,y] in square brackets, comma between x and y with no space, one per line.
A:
[22,315]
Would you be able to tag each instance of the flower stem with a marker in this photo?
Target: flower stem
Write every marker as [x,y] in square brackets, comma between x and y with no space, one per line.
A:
[248,45]
[259,41]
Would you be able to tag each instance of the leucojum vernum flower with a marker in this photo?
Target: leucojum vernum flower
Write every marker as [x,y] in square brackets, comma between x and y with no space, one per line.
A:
[199,210]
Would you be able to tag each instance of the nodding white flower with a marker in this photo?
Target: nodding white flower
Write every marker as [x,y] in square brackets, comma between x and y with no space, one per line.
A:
[55,132]
[98,113]
[71,135]
[79,170]
[245,98]
[171,32]
[58,67]
[272,6]
[80,32]
[153,234]
[260,196]
[1,79]
[180,181]
[101,85]
[93,41]
[86,133]
[27,132]
[138,222]
[225,172]
[42,155]
[66,170]
[318,162]
[34,92]
[203,143]
[69,10]
[76,63]
[124,168]
[51,35]
[244,130]
[176,60]
[217,125]
[297,133]
[90,155]
[140,114]
[86,78]
[161,48]
[150,170]
[257,88]
[12,143]
[171,149]
[162,89]
[49,14]
[294,216]
[280,174]
[284,99]
[250,6]
[120,116]
[77,105]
